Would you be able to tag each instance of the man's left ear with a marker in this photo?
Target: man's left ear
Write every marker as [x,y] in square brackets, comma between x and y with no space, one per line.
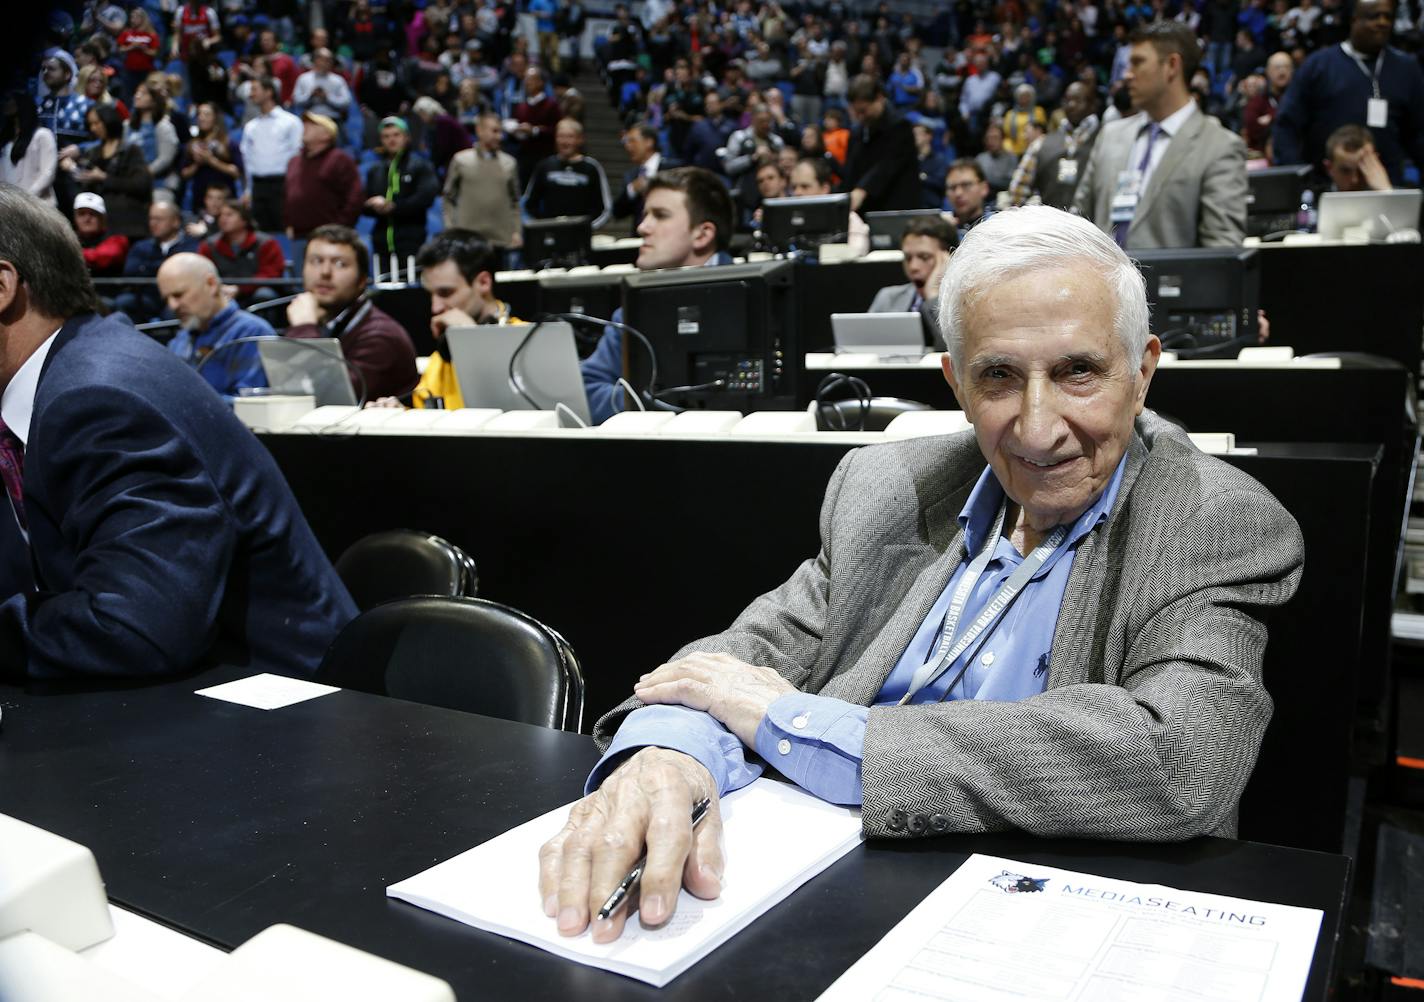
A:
[704,238]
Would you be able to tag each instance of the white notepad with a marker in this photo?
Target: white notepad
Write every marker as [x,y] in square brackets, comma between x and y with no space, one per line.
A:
[777,837]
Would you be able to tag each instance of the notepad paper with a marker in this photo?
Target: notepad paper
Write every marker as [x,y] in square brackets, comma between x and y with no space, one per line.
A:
[267,692]
[1003,931]
[777,837]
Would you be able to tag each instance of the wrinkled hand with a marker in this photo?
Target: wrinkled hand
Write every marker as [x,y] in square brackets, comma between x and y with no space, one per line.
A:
[1263,327]
[732,691]
[303,310]
[646,801]
[230,291]
[385,403]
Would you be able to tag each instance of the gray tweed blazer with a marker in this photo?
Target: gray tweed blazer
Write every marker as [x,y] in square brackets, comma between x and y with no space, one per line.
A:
[1154,708]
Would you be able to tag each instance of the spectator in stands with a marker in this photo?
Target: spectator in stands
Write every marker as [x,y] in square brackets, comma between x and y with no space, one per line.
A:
[163,535]
[197,34]
[210,157]
[113,169]
[381,88]
[745,145]
[569,183]
[209,322]
[978,91]
[1338,86]
[1259,114]
[457,269]
[688,224]
[882,171]
[323,184]
[537,117]
[149,129]
[28,151]
[1017,120]
[812,176]
[933,167]
[1352,163]
[995,161]
[710,133]
[241,254]
[61,111]
[400,189]
[641,142]
[270,142]
[335,304]
[1205,204]
[835,134]
[165,238]
[926,244]
[836,76]
[104,252]
[321,89]
[808,84]
[770,182]
[482,189]
[906,82]
[138,43]
[442,134]
[282,67]
[966,193]
[1052,165]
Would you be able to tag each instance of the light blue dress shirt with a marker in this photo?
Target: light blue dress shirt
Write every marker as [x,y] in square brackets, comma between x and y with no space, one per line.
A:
[817,741]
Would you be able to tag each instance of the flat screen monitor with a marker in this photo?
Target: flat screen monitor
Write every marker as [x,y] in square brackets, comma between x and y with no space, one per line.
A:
[804,223]
[1274,198]
[547,368]
[888,228]
[734,324]
[1203,300]
[558,242]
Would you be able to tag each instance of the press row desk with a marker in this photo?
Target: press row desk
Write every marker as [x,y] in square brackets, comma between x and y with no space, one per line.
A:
[632,548]
[219,820]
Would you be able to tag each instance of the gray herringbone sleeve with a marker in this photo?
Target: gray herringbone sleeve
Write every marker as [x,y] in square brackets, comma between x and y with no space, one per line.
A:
[1154,709]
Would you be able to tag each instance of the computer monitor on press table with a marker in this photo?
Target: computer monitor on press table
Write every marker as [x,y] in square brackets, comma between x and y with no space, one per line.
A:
[887,228]
[735,324]
[560,241]
[1274,199]
[805,222]
[1203,299]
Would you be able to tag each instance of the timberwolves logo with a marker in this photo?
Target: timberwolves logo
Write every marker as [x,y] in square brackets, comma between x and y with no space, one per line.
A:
[1016,883]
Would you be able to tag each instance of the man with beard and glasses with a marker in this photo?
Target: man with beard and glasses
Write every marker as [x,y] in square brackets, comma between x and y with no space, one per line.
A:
[191,288]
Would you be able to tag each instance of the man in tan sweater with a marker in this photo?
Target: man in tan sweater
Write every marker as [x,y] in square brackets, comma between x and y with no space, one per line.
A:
[482,189]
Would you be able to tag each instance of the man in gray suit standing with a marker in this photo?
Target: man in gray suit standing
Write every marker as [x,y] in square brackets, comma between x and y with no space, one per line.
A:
[1169,176]
[1053,623]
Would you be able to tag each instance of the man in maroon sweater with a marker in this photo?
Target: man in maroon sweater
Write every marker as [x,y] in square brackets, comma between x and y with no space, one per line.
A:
[240,252]
[323,184]
[335,304]
[538,118]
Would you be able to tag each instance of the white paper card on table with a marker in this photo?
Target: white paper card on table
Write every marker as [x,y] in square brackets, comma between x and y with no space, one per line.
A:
[267,692]
[1000,930]
[777,837]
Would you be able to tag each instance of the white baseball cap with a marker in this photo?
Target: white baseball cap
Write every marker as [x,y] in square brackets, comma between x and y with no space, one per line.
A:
[89,200]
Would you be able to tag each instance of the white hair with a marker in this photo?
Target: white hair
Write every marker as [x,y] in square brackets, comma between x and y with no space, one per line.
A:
[1037,237]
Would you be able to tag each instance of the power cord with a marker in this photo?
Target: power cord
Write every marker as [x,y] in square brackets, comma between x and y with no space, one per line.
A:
[831,417]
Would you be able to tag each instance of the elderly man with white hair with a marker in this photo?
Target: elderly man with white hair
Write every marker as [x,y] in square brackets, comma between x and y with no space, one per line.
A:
[1054,622]
[210,321]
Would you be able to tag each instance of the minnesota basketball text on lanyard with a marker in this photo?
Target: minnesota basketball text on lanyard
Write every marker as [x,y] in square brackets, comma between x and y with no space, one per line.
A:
[952,646]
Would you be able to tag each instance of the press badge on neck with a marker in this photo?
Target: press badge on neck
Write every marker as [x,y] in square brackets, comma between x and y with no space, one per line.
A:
[1129,190]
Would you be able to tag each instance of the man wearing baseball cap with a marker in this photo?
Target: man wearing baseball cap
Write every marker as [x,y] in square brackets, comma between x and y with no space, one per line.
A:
[400,189]
[323,184]
[104,252]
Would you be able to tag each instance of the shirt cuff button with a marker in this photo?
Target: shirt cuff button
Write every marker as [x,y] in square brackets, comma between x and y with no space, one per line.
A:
[784,746]
[800,722]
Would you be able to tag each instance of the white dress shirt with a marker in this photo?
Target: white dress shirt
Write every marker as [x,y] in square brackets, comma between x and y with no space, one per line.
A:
[1170,126]
[269,142]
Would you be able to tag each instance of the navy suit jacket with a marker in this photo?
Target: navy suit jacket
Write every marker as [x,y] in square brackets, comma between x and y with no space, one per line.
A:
[163,538]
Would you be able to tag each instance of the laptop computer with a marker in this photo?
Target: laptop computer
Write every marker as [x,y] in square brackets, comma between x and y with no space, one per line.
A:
[1384,212]
[308,365]
[547,368]
[889,335]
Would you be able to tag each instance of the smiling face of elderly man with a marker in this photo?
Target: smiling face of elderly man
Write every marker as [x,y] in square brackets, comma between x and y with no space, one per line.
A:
[1050,359]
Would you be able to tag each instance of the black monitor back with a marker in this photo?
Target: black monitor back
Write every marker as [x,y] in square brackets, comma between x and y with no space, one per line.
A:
[735,323]
[1203,298]
[887,228]
[1274,199]
[596,294]
[803,223]
[560,241]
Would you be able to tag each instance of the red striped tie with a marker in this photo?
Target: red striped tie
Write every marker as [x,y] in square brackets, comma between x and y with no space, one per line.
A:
[12,470]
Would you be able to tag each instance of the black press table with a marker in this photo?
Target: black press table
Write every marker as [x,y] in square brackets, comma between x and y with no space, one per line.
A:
[219,820]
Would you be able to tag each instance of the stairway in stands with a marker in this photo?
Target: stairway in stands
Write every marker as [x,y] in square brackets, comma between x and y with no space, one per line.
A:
[603,130]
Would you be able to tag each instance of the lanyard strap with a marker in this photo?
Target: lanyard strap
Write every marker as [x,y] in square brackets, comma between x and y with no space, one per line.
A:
[950,646]
[1350,51]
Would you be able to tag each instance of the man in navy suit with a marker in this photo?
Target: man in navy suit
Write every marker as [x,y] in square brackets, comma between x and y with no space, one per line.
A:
[147,532]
